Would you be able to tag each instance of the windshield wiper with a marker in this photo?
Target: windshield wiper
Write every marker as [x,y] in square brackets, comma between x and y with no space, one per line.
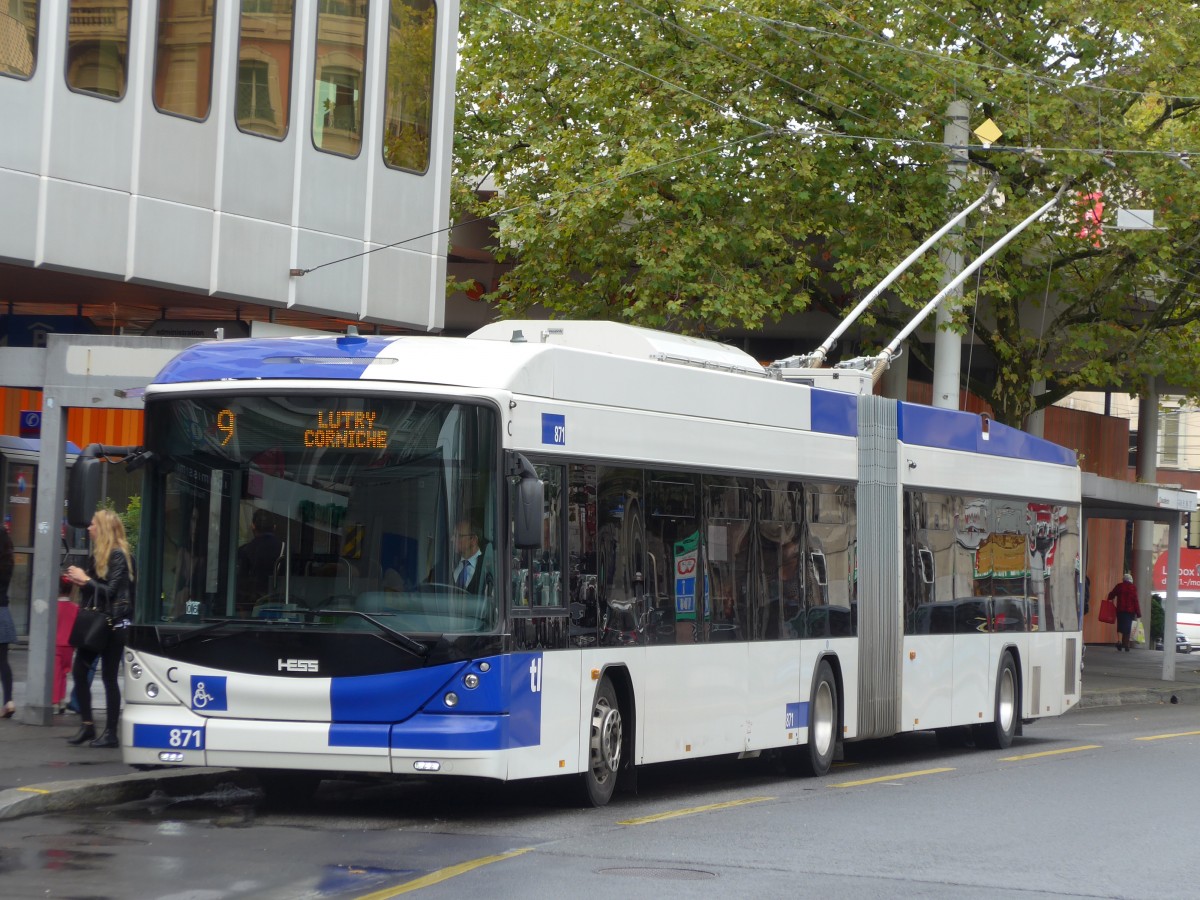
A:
[398,638]
[175,638]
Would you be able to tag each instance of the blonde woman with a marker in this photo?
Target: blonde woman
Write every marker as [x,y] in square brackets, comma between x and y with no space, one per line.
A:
[107,585]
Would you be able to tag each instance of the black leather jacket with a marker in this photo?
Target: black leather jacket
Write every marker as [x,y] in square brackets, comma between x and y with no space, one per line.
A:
[112,595]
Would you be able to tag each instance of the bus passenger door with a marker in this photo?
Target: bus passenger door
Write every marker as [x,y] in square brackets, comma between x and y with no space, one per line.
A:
[621,555]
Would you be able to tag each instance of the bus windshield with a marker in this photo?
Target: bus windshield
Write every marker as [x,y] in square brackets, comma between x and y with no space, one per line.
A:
[313,510]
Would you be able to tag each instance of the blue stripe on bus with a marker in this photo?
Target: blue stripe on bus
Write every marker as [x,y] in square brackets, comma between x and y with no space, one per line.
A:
[299,357]
[359,735]
[929,426]
[391,697]
[834,412]
[450,732]
[502,711]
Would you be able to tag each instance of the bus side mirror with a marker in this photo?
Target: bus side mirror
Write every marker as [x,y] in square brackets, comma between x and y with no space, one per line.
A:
[529,507]
[83,491]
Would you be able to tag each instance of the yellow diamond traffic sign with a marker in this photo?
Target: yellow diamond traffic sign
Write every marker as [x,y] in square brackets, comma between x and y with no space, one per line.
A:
[988,133]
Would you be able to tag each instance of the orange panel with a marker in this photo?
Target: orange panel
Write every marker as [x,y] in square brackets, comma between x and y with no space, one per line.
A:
[84,426]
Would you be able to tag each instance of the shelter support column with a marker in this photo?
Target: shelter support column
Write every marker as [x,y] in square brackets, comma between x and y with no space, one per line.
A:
[47,548]
[1171,603]
[1147,473]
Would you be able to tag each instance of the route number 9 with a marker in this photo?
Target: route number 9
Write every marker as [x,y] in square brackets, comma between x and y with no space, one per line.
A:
[225,422]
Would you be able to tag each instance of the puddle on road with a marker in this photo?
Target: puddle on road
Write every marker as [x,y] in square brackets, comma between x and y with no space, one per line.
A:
[225,806]
[342,878]
[78,850]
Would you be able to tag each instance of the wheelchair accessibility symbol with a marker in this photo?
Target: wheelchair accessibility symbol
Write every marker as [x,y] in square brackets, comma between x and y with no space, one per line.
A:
[201,698]
[208,693]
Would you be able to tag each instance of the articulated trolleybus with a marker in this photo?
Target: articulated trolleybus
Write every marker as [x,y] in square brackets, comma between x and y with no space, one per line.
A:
[673,552]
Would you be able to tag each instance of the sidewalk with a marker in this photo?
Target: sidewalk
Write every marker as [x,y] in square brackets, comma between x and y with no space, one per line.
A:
[40,772]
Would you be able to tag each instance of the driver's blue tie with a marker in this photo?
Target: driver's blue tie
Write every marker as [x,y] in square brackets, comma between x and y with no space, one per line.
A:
[463,573]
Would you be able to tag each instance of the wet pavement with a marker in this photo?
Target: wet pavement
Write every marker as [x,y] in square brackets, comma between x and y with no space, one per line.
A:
[40,772]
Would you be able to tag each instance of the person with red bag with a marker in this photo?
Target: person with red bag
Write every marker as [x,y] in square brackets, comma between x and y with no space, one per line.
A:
[1124,595]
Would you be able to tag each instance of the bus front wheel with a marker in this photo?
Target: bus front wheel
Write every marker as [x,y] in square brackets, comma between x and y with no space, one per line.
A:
[604,746]
[998,734]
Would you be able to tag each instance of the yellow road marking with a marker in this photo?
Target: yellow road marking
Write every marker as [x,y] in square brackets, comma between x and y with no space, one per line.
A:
[441,875]
[33,790]
[884,778]
[1161,737]
[1049,753]
[658,817]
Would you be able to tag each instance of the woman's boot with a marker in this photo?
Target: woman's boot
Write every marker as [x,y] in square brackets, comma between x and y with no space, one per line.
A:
[87,731]
[108,739]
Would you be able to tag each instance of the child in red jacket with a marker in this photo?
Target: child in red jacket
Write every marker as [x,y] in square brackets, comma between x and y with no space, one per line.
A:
[68,609]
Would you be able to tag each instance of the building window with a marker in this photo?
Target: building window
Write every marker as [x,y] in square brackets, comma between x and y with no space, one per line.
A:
[183,57]
[18,37]
[340,62]
[264,88]
[98,47]
[1169,420]
[253,93]
[408,91]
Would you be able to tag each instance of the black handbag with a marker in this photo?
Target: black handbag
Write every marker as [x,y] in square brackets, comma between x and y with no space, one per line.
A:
[91,631]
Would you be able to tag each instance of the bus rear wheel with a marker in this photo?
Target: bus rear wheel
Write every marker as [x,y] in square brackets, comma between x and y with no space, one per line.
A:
[998,734]
[817,755]
[605,745]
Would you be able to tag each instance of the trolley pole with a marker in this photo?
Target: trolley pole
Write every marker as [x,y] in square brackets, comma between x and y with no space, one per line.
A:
[947,345]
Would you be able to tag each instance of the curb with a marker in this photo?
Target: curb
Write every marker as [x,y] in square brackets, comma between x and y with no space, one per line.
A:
[60,796]
[1178,693]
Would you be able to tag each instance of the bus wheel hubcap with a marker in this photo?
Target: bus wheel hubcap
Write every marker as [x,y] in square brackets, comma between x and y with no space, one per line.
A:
[822,719]
[606,740]
[1006,701]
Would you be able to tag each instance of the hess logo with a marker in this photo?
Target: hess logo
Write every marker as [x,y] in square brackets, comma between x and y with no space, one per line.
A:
[297,665]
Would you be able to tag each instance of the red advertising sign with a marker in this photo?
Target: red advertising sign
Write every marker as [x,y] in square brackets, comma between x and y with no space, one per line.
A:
[1189,570]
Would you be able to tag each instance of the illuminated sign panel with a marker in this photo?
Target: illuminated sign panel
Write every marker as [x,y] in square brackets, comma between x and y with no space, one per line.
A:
[346,430]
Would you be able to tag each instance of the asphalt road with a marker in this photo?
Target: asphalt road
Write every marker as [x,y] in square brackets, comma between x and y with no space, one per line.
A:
[1079,807]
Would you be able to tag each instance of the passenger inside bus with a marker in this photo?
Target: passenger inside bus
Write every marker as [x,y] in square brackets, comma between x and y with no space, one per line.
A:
[257,558]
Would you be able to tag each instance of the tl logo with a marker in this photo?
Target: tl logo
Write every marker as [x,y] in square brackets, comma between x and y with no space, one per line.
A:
[535,675]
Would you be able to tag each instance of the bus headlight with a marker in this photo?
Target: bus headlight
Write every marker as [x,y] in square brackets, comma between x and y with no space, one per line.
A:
[471,681]
[451,699]
[151,690]
[135,670]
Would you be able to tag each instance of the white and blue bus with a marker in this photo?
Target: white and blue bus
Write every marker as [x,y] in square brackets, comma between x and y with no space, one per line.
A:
[674,555]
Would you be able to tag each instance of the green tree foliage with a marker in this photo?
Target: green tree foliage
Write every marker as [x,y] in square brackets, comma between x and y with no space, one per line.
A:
[702,166]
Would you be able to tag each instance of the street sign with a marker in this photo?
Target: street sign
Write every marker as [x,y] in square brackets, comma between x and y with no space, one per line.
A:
[31,423]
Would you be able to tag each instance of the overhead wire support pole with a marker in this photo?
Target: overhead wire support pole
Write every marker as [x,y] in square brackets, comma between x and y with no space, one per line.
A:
[817,358]
[947,344]
[885,356]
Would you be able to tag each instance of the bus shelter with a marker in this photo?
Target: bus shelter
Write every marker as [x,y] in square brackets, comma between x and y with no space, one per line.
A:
[1108,498]
[89,371]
